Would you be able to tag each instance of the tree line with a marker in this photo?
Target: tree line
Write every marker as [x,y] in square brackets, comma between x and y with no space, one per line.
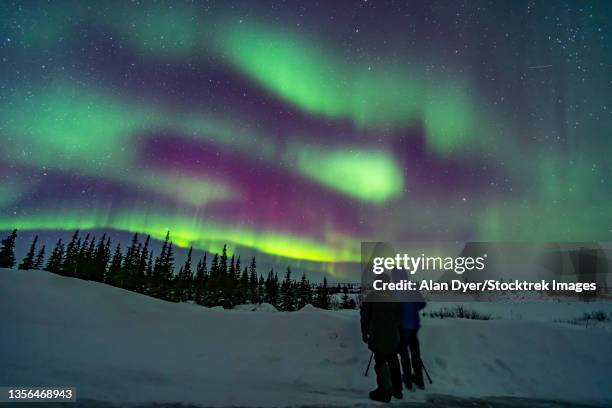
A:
[222,282]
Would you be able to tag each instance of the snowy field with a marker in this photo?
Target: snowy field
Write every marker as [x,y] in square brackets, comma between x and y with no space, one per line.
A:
[118,347]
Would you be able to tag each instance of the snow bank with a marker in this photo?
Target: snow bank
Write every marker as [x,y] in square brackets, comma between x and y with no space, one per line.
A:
[118,346]
[261,307]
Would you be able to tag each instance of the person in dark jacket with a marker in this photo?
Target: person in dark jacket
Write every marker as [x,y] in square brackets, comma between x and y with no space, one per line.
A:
[380,320]
[410,306]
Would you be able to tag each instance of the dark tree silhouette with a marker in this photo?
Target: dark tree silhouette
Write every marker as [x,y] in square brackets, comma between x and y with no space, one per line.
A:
[101,258]
[130,267]
[225,283]
[322,300]
[28,261]
[56,260]
[69,263]
[200,281]
[142,272]
[7,250]
[40,259]
[184,280]
[347,302]
[287,301]
[253,292]
[157,284]
[113,276]
[304,293]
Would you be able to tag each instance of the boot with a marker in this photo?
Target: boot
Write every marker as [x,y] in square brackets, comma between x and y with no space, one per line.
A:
[407,382]
[380,395]
[418,381]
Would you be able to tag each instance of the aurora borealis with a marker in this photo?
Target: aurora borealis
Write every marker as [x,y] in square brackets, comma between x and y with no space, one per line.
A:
[300,129]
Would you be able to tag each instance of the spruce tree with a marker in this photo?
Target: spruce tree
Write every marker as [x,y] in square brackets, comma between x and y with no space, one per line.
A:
[142,265]
[100,259]
[276,290]
[201,269]
[186,282]
[213,296]
[347,302]
[223,262]
[242,288]
[225,280]
[253,292]
[70,258]
[200,280]
[231,271]
[40,259]
[169,262]
[80,264]
[113,276]
[28,261]
[260,290]
[286,302]
[266,292]
[272,289]
[323,300]
[237,269]
[157,286]
[7,250]
[91,249]
[56,260]
[137,278]
[148,274]
[129,269]
[177,286]
[88,260]
[157,267]
[149,269]
[230,285]
[167,291]
[304,292]
[214,267]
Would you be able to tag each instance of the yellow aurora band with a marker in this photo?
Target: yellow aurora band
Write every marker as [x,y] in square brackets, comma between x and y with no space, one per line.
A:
[186,232]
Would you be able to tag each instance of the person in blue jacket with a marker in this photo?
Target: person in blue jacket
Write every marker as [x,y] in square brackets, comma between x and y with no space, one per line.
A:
[411,305]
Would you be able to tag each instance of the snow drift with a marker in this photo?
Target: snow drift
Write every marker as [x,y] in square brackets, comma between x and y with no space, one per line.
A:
[119,346]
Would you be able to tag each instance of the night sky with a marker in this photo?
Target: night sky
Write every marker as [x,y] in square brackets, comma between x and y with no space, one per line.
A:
[299,129]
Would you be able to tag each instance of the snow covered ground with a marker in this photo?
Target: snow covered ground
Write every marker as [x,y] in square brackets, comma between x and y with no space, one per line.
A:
[122,347]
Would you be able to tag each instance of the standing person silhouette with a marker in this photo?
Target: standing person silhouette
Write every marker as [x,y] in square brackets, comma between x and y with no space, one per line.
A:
[380,319]
[411,304]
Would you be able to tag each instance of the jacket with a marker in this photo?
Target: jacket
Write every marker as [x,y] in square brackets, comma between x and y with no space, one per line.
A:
[380,321]
[409,315]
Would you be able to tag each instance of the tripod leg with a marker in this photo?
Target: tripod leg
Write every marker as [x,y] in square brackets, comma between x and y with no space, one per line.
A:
[426,373]
[369,363]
